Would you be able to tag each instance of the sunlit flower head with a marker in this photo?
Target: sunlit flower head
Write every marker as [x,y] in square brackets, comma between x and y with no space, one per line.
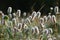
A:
[33,30]
[24,14]
[49,16]
[25,26]
[45,18]
[38,14]
[46,31]
[33,15]
[54,18]
[50,29]
[1,14]
[19,25]
[36,30]
[30,17]
[22,20]
[51,8]
[56,9]
[9,10]
[49,13]
[14,21]
[42,25]
[28,20]
[18,13]
[50,39]
[10,15]
[41,20]
[14,15]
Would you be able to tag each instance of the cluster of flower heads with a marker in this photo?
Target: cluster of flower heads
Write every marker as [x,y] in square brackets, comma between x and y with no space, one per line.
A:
[34,23]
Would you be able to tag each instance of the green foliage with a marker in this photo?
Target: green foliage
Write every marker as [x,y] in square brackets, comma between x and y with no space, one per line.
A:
[6,17]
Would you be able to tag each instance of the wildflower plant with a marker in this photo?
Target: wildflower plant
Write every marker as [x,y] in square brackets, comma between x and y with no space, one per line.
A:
[33,27]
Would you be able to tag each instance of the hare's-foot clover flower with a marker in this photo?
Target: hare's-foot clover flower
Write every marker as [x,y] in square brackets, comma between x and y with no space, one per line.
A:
[18,13]
[14,15]
[49,16]
[9,10]
[56,9]
[41,20]
[33,15]
[24,14]
[38,14]
[19,25]
[50,29]
[33,30]
[45,18]
[53,18]
[36,30]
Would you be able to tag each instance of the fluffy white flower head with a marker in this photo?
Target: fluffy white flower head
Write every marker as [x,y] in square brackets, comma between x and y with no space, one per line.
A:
[19,13]
[9,9]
